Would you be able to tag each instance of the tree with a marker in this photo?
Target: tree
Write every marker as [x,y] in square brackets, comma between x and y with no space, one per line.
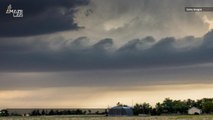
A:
[122,105]
[51,112]
[144,108]
[207,105]
[159,108]
[35,113]
[89,111]
[168,105]
[4,113]
[190,103]
[97,113]
[180,106]
[155,112]
[43,112]
[78,112]
[136,109]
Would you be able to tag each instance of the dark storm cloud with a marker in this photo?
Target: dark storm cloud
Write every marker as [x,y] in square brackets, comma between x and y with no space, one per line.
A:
[40,17]
[60,54]
[138,44]
[106,78]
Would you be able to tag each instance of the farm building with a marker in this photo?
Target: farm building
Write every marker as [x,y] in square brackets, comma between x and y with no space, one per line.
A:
[194,111]
[120,111]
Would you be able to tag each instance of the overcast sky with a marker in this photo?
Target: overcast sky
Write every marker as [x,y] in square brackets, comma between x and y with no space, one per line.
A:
[95,53]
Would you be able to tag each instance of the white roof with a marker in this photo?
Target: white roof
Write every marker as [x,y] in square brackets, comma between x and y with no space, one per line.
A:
[121,107]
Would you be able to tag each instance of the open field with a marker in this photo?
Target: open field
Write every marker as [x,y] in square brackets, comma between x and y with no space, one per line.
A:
[180,117]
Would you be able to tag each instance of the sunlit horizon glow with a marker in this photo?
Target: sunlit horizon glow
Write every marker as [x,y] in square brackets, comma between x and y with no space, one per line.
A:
[101,97]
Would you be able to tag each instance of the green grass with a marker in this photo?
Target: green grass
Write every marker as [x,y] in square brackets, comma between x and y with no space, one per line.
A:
[179,117]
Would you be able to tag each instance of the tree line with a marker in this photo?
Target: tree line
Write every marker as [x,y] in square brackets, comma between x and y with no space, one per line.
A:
[44,112]
[169,106]
[64,112]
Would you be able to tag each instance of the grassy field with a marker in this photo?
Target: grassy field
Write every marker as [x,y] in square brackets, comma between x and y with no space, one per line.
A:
[181,117]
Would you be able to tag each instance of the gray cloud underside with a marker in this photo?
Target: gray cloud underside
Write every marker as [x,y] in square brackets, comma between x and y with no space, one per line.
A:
[200,74]
[80,54]
[40,17]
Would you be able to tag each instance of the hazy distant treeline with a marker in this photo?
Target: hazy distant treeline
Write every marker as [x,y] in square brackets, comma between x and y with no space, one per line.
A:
[44,112]
[63,112]
[168,106]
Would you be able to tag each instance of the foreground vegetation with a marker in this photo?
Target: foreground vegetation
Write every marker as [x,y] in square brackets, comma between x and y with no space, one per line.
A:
[84,117]
[169,106]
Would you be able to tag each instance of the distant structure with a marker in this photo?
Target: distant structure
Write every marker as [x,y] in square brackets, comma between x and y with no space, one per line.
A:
[120,111]
[194,111]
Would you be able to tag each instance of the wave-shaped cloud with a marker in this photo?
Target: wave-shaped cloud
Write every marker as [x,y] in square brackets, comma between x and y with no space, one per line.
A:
[80,54]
